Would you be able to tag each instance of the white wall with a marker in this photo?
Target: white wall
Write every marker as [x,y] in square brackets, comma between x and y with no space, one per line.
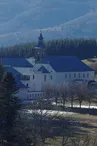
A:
[36,84]
[61,77]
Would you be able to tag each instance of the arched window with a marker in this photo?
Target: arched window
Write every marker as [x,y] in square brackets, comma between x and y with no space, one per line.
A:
[44,77]
[74,75]
[83,75]
[79,75]
[33,77]
[87,75]
[65,75]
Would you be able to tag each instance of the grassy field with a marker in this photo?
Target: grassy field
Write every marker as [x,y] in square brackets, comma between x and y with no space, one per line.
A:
[81,126]
[89,61]
[78,125]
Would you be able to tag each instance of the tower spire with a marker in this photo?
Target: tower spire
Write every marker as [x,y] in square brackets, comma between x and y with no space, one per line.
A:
[40,38]
[39,50]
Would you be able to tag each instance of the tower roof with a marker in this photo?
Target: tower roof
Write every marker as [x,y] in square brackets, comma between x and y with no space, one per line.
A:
[40,41]
[41,36]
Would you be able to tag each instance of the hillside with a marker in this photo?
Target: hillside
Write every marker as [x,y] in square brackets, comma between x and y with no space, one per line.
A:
[21,21]
[89,61]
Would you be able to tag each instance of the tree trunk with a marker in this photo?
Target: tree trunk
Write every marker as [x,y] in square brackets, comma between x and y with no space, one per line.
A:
[56,100]
[43,141]
[80,103]
[64,103]
[63,140]
[89,104]
[72,103]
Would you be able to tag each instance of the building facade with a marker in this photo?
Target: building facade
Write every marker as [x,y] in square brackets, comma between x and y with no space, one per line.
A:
[32,74]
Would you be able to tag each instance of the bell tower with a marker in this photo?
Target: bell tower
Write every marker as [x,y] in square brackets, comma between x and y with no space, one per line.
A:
[41,41]
[39,50]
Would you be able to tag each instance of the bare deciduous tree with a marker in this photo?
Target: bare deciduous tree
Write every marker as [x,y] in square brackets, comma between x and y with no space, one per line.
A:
[81,92]
[64,93]
[72,93]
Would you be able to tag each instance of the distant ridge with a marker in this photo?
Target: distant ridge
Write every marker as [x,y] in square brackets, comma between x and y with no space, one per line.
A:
[21,21]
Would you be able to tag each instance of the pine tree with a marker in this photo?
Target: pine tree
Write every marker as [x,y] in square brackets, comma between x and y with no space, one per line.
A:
[9,105]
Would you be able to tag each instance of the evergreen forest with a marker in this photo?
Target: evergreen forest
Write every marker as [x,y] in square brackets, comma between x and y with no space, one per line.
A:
[81,48]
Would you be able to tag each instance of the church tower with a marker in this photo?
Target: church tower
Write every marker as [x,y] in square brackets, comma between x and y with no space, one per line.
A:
[41,41]
[39,50]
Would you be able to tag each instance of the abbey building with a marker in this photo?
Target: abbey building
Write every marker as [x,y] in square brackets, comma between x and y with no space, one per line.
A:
[33,73]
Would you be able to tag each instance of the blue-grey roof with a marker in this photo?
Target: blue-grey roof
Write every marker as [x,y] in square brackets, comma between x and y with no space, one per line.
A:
[16,75]
[14,72]
[66,64]
[20,84]
[43,69]
[16,62]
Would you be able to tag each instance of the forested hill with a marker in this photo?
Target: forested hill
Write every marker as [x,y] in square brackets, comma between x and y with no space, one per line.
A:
[82,48]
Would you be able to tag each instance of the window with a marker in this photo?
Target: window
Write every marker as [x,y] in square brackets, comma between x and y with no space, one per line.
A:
[65,75]
[79,75]
[51,77]
[27,84]
[28,77]
[44,77]
[87,75]
[25,77]
[83,75]
[33,77]
[74,75]
[69,75]
[41,94]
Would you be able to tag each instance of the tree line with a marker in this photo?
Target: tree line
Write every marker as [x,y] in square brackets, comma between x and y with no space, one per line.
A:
[71,92]
[82,48]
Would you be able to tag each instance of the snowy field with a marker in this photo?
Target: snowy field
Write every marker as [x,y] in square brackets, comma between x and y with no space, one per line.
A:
[48,112]
[75,105]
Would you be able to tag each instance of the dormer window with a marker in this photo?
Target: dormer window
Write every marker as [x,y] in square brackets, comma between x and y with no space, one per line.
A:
[44,77]
[74,75]
[65,75]
[33,77]
[79,75]
[83,75]
[87,75]
[25,77]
